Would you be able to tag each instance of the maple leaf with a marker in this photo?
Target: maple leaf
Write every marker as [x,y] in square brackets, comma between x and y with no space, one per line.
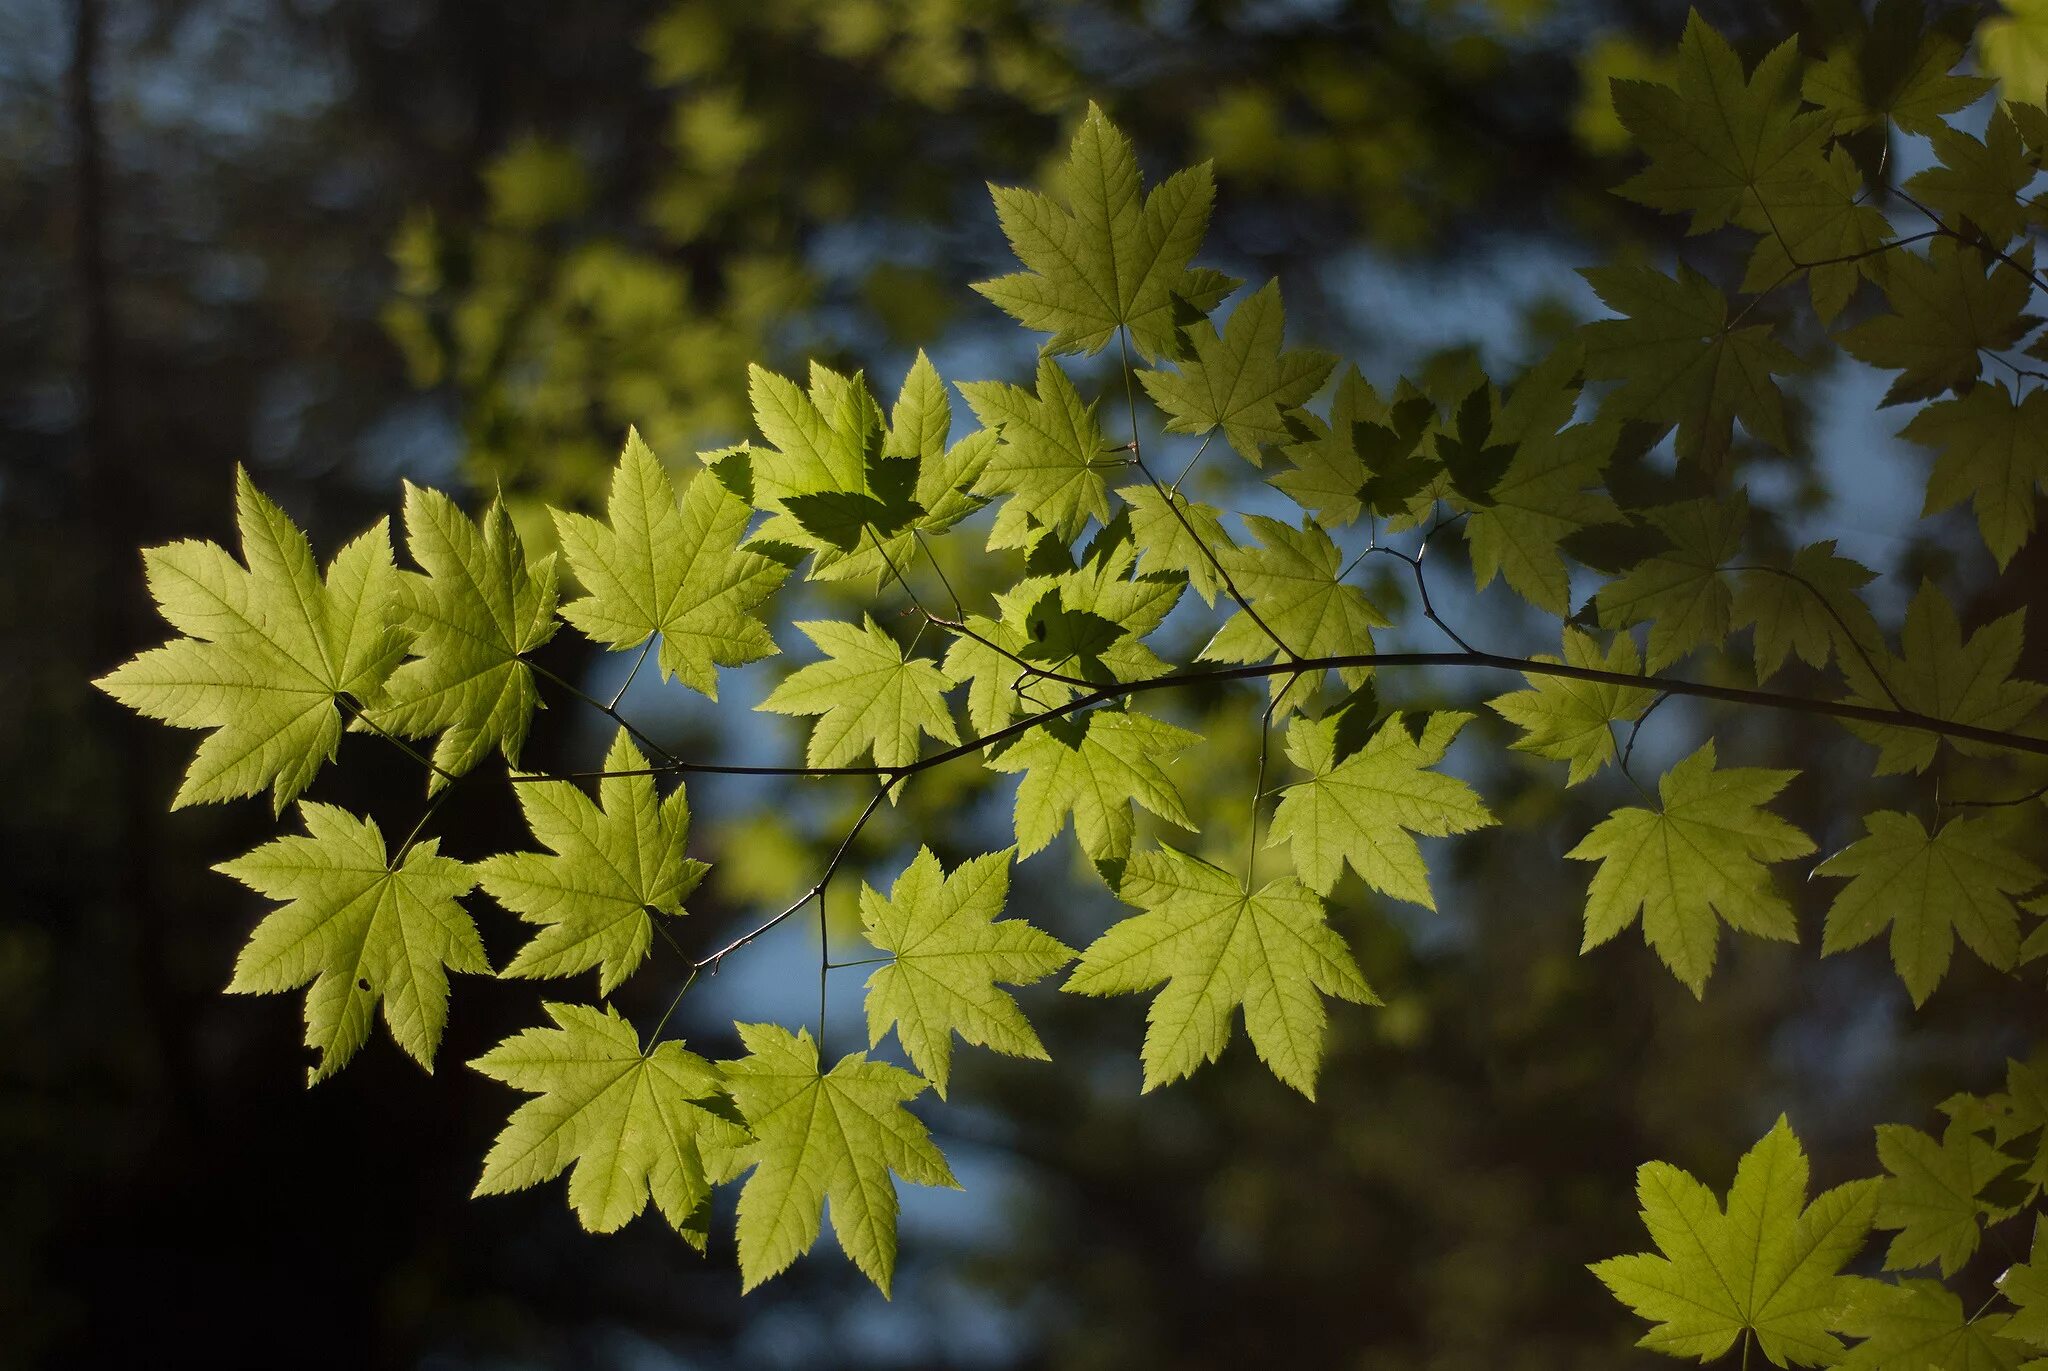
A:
[1325,472]
[1366,456]
[270,650]
[1220,946]
[480,607]
[824,1135]
[1824,229]
[611,865]
[1681,362]
[1767,1266]
[1894,72]
[912,484]
[949,950]
[1680,592]
[1978,181]
[2022,1111]
[1176,541]
[919,425]
[1095,769]
[1567,720]
[1940,675]
[1918,1324]
[830,482]
[630,1121]
[1546,493]
[1720,147]
[1114,257]
[1948,308]
[1051,454]
[1090,619]
[868,694]
[1052,633]
[1810,609]
[1931,1194]
[1293,580]
[676,570]
[1083,623]
[1928,888]
[363,928]
[1363,809]
[1242,381]
[1701,853]
[2026,1285]
[1994,452]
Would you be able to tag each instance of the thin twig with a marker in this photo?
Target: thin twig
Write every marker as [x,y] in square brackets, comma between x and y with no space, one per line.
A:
[638,662]
[1486,661]
[610,711]
[712,962]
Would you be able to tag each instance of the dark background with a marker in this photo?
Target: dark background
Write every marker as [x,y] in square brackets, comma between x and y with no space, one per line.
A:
[343,242]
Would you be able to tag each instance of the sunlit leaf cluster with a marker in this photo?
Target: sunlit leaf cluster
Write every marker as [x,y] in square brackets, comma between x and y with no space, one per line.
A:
[1175,501]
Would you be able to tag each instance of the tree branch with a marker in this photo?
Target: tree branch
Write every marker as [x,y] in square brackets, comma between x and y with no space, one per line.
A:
[1485,661]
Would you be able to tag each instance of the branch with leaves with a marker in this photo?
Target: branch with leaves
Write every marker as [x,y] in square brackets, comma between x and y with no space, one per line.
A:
[1076,610]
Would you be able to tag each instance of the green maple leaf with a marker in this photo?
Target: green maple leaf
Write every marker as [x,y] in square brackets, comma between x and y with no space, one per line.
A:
[1948,308]
[1090,620]
[1931,1194]
[833,1135]
[1085,623]
[1813,612]
[1325,471]
[1978,181]
[1680,592]
[362,928]
[480,607]
[1702,853]
[1928,889]
[831,482]
[1243,381]
[1894,71]
[1293,579]
[1940,675]
[269,653]
[913,484]
[1720,147]
[1367,456]
[1364,809]
[669,569]
[988,658]
[1682,362]
[1094,769]
[1823,228]
[610,866]
[1114,256]
[631,1122]
[1051,455]
[1767,1266]
[1220,946]
[1994,452]
[1547,492]
[868,694]
[1918,1324]
[919,425]
[949,950]
[1567,720]
[2026,1285]
[1175,541]
[2022,1111]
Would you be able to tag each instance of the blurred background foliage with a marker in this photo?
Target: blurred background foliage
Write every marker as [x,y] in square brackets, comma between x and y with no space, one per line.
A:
[345,241]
